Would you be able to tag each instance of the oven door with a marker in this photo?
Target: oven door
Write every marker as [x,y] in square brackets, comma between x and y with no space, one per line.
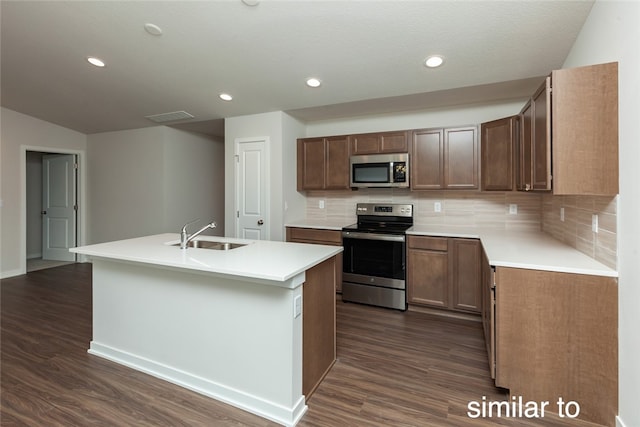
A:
[374,259]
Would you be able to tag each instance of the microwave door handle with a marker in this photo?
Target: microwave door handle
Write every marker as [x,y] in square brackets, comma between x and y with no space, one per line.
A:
[391,177]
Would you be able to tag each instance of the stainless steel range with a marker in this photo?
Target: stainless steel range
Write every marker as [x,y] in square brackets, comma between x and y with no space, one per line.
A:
[375,255]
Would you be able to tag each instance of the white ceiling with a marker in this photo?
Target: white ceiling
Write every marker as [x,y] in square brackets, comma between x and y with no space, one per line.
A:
[369,55]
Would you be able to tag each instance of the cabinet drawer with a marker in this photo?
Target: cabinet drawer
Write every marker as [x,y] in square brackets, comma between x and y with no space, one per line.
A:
[429,243]
[328,237]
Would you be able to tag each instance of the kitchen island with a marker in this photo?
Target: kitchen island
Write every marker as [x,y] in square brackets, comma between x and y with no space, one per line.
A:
[225,323]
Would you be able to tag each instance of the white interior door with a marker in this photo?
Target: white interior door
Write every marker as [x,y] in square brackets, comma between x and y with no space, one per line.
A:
[58,206]
[252,198]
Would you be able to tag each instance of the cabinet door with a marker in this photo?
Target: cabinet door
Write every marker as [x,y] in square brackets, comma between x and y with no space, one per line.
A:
[394,142]
[365,144]
[541,145]
[498,139]
[525,175]
[465,279]
[428,271]
[426,163]
[461,158]
[337,166]
[311,164]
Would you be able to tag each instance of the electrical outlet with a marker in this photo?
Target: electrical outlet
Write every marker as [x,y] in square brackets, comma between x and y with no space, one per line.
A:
[562,214]
[297,306]
[437,207]
[594,223]
[321,204]
[513,209]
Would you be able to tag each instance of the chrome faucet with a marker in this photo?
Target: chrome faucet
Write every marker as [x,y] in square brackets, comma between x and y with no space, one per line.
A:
[185,238]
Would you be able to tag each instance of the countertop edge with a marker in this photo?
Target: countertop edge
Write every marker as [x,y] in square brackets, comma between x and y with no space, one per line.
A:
[584,265]
[109,251]
[338,226]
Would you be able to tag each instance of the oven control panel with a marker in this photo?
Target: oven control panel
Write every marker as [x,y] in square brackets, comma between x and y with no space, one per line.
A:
[384,210]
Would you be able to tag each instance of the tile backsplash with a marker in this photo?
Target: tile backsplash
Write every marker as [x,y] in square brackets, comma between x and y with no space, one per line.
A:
[466,208]
[535,211]
[576,229]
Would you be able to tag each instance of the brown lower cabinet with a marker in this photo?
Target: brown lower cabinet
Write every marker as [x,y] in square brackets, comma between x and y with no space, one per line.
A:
[319,236]
[556,338]
[444,273]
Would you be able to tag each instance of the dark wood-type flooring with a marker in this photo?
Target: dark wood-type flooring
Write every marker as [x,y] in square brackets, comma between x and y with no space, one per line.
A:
[393,369]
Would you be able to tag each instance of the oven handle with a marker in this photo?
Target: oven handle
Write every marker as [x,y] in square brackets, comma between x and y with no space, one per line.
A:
[373,236]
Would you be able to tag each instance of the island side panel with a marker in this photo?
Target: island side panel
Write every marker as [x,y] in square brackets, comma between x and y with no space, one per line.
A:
[319,324]
[235,341]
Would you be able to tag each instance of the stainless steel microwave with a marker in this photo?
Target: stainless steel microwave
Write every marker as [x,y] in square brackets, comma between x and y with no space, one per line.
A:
[380,170]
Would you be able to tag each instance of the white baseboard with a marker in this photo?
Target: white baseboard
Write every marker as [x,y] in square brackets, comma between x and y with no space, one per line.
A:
[36,255]
[11,273]
[256,405]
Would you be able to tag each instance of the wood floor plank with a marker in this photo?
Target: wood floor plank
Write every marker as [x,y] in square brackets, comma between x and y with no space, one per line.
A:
[392,369]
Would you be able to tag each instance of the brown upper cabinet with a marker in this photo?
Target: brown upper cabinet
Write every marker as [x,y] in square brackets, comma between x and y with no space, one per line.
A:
[498,148]
[444,158]
[569,133]
[378,143]
[323,163]
[584,111]
[535,141]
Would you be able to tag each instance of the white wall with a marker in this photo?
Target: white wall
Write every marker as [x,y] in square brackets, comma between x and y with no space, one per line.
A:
[126,184]
[34,204]
[18,134]
[295,202]
[150,181]
[612,33]
[193,180]
[282,131]
[447,117]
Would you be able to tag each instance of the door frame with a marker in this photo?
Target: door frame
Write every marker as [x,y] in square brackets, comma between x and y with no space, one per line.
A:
[81,223]
[267,171]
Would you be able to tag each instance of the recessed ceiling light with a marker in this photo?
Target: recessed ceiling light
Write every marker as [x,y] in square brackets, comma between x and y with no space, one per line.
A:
[434,61]
[153,29]
[226,97]
[313,82]
[96,61]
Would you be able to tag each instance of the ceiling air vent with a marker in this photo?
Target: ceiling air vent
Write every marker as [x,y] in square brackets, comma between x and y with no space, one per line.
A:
[169,117]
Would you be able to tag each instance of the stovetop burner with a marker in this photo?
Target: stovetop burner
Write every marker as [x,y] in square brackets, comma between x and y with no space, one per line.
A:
[382,218]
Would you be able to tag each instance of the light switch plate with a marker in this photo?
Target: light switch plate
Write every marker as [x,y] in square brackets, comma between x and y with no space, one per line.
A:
[513,209]
[321,204]
[437,207]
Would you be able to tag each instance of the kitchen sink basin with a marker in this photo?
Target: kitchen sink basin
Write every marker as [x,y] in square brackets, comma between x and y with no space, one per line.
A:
[209,244]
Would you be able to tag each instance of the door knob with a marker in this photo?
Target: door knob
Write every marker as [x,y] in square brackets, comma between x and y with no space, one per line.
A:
[260,222]
[43,212]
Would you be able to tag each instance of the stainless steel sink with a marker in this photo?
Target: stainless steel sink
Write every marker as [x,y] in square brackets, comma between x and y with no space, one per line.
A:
[208,244]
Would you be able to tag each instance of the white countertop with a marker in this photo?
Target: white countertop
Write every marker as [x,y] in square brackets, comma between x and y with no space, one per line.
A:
[534,250]
[322,224]
[261,261]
